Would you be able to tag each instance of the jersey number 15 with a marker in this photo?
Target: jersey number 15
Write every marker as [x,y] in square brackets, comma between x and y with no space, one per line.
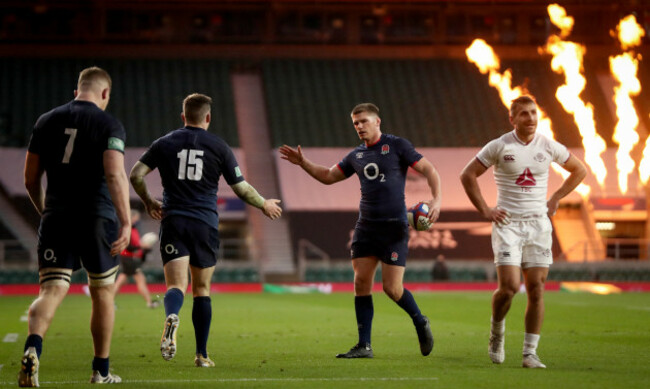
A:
[190,164]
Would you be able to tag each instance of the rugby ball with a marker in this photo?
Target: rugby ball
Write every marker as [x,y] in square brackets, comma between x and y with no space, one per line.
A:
[417,217]
[148,240]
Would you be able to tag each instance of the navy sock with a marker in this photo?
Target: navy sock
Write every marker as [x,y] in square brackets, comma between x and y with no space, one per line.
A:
[365,310]
[201,318]
[34,341]
[173,301]
[101,365]
[407,303]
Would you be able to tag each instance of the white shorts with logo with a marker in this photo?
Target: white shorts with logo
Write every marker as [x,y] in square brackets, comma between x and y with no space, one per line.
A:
[525,242]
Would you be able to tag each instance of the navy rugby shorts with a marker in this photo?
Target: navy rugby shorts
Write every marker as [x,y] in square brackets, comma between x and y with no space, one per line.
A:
[387,241]
[68,242]
[181,236]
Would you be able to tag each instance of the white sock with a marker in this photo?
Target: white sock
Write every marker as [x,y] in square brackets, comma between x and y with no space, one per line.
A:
[530,343]
[498,327]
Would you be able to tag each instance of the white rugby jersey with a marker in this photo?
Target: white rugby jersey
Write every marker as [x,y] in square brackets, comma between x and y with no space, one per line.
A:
[521,170]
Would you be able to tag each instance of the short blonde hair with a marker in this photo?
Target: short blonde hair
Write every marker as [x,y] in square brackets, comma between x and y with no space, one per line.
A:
[195,107]
[93,74]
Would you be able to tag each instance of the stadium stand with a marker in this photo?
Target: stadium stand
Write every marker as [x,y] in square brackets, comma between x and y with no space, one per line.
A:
[146,94]
[434,103]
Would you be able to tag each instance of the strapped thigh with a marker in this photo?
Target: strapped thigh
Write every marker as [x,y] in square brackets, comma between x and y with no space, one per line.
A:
[54,276]
[103,279]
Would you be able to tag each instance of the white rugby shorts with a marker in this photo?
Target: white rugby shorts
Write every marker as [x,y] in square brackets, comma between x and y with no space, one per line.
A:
[525,242]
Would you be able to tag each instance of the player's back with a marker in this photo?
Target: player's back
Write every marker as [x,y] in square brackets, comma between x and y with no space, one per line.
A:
[191,161]
[70,141]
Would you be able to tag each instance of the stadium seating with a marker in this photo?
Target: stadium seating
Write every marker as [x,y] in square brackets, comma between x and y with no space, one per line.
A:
[434,103]
[146,95]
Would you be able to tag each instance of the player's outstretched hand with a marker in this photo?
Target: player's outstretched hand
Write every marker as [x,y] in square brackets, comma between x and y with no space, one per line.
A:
[154,209]
[271,208]
[122,240]
[292,155]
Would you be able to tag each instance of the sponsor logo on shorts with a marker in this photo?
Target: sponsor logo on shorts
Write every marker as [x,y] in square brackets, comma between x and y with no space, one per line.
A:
[504,254]
[48,255]
[394,256]
[170,249]
[546,253]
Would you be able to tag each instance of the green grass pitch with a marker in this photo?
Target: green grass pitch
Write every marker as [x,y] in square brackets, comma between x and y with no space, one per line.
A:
[289,341]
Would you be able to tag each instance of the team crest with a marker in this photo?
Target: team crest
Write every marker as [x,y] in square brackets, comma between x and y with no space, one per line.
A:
[359,155]
[385,149]
[394,256]
[540,157]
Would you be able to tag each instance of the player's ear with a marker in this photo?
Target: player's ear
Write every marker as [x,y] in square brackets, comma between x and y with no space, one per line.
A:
[105,93]
[75,93]
[208,117]
[183,117]
[378,120]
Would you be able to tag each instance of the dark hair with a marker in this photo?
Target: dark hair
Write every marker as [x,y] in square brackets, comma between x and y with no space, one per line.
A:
[519,101]
[365,107]
[93,74]
[195,107]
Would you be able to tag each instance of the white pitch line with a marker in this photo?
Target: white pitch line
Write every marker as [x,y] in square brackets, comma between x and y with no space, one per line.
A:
[10,338]
[23,318]
[234,380]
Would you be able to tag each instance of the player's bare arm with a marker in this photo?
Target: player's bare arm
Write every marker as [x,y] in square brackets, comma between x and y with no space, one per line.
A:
[118,187]
[152,205]
[426,168]
[321,173]
[469,178]
[577,172]
[246,192]
[32,175]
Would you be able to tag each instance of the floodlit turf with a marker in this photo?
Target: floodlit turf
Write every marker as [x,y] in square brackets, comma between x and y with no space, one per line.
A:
[289,341]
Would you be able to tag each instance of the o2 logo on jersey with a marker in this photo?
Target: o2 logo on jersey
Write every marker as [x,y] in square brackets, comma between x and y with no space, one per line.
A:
[371,172]
[190,164]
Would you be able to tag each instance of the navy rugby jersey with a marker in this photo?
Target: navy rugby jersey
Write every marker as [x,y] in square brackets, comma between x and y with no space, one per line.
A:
[381,169]
[191,160]
[70,141]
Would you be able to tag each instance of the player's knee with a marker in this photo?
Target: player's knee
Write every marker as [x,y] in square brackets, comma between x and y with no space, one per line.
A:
[362,285]
[394,292]
[508,290]
[535,291]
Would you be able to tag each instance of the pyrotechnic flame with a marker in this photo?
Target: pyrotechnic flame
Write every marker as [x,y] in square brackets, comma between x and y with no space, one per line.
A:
[482,55]
[560,19]
[567,60]
[624,69]
[644,165]
[629,32]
